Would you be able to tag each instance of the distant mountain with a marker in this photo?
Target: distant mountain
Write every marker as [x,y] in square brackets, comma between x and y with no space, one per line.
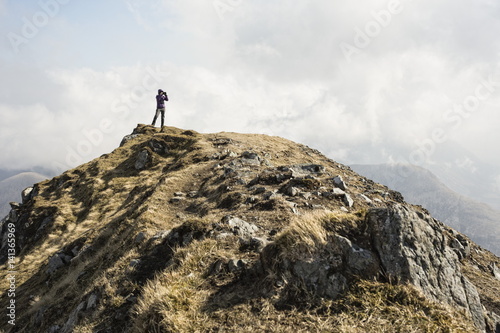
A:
[10,188]
[419,186]
[463,172]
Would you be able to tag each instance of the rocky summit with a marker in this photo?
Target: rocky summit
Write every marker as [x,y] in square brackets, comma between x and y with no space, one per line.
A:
[177,231]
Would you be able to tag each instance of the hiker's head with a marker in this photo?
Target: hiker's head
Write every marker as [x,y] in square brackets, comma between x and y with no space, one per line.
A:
[160,91]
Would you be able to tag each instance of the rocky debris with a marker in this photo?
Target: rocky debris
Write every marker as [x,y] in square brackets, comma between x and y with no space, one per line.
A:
[229,266]
[134,263]
[226,153]
[57,261]
[178,197]
[272,176]
[269,195]
[73,318]
[78,313]
[256,244]
[158,147]
[140,237]
[192,194]
[92,301]
[337,193]
[326,272]
[364,198]
[240,227]
[161,235]
[339,182]
[495,271]
[412,249]
[235,265]
[492,322]
[27,194]
[221,142]
[302,170]
[349,202]
[293,191]
[461,247]
[127,138]
[142,160]
[85,251]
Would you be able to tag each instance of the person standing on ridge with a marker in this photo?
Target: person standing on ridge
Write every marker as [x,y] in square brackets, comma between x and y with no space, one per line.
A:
[160,106]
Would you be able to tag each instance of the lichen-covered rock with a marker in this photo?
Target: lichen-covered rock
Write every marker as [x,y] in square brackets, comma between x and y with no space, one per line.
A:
[413,249]
[240,227]
[143,158]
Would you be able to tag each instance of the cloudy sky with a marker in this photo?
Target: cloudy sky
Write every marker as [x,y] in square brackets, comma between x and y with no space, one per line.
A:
[363,81]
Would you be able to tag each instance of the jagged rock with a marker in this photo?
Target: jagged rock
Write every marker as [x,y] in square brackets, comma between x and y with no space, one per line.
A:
[293,191]
[271,195]
[316,276]
[364,198]
[240,227]
[235,265]
[127,138]
[192,194]
[65,258]
[26,194]
[301,170]
[495,271]
[134,263]
[176,199]
[140,237]
[339,182]
[216,267]
[55,262]
[413,249]
[461,250]
[250,158]
[257,244]
[492,322]
[259,190]
[162,234]
[348,200]
[73,318]
[143,158]
[359,261]
[92,302]
[337,192]
[158,147]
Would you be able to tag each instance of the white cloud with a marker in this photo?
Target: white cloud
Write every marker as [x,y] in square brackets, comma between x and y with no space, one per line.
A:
[276,67]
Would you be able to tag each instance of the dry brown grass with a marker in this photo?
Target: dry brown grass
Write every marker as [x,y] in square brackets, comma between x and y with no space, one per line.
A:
[108,202]
[308,234]
[173,300]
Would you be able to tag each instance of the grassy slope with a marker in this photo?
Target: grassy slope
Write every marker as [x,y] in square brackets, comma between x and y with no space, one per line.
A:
[105,203]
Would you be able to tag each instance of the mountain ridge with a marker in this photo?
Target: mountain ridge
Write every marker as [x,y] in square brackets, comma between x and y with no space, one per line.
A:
[181,231]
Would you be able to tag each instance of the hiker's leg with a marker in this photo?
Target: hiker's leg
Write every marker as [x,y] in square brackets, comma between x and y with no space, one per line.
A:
[156,116]
[162,117]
